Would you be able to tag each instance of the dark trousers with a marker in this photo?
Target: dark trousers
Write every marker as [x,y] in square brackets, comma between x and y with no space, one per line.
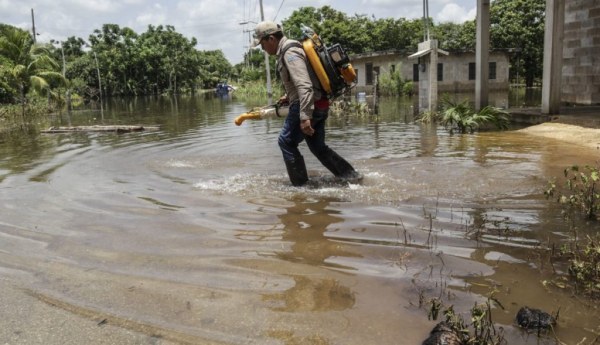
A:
[291,136]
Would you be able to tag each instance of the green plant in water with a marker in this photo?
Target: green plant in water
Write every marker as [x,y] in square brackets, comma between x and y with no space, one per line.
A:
[251,90]
[583,193]
[429,117]
[392,84]
[460,116]
[342,107]
[580,195]
[483,330]
[584,267]
[36,108]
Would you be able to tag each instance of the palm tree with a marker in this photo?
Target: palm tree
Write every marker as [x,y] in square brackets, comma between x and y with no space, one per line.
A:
[26,66]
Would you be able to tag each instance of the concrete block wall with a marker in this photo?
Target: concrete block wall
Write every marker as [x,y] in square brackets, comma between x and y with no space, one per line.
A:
[581,52]
[455,70]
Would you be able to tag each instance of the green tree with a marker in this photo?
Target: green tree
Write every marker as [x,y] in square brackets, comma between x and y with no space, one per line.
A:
[169,60]
[25,66]
[391,34]
[115,49]
[414,30]
[358,33]
[309,16]
[213,67]
[456,37]
[157,61]
[520,24]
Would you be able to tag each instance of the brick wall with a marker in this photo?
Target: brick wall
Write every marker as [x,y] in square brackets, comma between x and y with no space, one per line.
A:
[581,52]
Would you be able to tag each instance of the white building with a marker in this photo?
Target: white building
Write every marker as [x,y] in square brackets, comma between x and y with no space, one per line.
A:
[456,72]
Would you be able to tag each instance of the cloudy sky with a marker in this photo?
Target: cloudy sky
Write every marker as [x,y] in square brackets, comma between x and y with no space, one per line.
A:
[214,23]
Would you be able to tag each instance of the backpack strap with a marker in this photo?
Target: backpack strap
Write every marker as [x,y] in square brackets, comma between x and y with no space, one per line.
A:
[311,72]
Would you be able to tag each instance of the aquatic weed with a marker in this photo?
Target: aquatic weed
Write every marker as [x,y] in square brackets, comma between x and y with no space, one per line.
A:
[481,329]
[582,191]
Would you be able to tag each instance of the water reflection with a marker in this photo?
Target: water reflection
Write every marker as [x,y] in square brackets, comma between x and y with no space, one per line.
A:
[304,225]
[309,294]
[203,208]
[429,140]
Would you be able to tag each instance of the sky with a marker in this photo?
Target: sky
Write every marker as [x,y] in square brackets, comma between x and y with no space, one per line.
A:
[216,24]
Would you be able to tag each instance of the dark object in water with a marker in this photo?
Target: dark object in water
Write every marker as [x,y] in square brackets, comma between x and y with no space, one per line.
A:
[98,128]
[534,319]
[443,334]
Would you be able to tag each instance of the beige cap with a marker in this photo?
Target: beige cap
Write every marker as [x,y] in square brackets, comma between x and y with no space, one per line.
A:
[264,29]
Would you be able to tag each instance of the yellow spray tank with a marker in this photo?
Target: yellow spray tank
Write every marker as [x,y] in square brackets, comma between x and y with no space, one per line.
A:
[269,111]
[331,65]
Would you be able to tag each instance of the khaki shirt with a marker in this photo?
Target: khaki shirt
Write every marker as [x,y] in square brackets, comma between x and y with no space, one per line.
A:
[299,81]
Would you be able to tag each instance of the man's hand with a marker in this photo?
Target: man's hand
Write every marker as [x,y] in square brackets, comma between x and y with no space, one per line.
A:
[306,127]
[283,100]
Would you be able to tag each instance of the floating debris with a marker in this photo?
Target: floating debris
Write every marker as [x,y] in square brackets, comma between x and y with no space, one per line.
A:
[98,128]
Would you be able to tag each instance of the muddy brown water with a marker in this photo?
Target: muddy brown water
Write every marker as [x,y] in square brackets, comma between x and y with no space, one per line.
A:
[192,233]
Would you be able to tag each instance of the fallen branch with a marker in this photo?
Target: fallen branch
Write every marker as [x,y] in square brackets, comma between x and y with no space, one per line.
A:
[118,129]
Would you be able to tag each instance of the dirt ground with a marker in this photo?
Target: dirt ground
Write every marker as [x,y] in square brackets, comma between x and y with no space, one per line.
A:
[575,134]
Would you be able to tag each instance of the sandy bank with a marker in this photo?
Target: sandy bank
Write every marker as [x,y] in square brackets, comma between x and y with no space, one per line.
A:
[588,137]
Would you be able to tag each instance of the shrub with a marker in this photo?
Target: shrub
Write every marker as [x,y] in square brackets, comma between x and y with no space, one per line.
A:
[460,116]
[582,192]
[392,84]
[584,267]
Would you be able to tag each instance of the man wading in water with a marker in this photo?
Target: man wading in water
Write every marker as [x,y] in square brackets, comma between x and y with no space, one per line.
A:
[308,107]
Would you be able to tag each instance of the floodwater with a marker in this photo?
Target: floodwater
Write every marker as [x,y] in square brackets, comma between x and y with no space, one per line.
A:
[192,233]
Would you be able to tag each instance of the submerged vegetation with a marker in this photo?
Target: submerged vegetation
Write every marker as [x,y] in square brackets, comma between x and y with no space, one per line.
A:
[580,261]
[460,116]
[582,191]
[344,106]
[392,84]
[580,196]
[17,116]
[456,331]
[583,261]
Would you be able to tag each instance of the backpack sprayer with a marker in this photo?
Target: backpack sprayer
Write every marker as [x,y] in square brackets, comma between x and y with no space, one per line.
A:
[331,65]
[273,110]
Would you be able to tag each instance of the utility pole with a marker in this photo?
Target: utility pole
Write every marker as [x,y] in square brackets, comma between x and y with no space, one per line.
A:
[64,74]
[482,53]
[33,26]
[426,20]
[99,86]
[269,89]
[249,46]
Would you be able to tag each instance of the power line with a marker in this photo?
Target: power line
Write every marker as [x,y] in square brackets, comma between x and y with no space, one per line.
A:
[276,14]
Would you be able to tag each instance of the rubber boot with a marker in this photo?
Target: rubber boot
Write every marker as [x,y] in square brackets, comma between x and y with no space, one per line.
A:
[297,171]
[339,166]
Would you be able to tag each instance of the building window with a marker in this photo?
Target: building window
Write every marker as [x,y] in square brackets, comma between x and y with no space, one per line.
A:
[416,72]
[440,72]
[369,76]
[472,72]
[376,70]
[492,70]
